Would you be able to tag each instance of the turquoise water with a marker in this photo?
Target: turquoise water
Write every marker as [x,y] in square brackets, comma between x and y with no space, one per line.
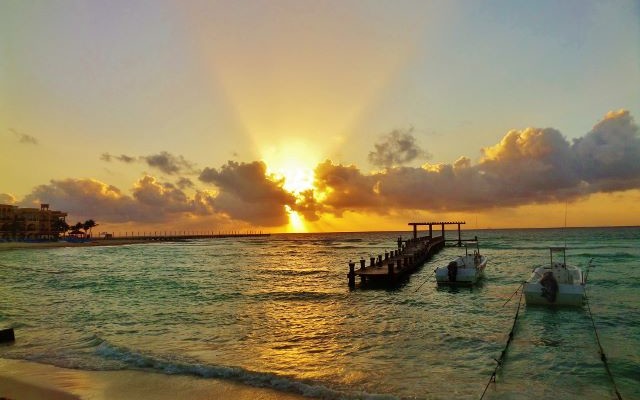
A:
[277,312]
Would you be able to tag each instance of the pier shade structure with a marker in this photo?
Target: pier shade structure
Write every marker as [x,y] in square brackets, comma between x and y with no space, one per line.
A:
[442,224]
[398,263]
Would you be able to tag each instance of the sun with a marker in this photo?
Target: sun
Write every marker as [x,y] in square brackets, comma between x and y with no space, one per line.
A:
[296,222]
[293,163]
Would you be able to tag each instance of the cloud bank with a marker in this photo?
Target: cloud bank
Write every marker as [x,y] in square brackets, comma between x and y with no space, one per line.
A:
[152,201]
[528,166]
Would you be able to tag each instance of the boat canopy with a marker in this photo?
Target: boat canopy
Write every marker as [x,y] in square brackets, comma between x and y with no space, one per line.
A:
[558,250]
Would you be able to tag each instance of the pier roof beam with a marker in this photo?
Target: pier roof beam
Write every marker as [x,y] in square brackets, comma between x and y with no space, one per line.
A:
[430,224]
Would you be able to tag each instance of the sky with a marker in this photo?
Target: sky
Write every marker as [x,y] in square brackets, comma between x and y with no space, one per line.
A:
[308,116]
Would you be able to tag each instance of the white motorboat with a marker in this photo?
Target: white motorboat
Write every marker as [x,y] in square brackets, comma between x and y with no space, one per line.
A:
[557,283]
[463,270]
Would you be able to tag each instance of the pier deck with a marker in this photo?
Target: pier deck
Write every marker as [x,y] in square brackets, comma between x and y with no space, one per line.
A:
[397,264]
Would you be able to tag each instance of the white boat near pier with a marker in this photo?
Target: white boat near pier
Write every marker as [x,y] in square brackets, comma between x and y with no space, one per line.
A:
[463,270]
[557,283]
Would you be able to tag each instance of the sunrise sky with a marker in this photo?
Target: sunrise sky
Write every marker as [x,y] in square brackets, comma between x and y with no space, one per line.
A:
[293,116]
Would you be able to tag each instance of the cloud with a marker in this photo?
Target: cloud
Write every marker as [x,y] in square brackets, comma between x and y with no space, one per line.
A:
[307,206]
[163,161]
[123,158]
[346,188]
[395,149]
[24,138]
[168,163]
[529,166]
[152,201]
[161,196]
[184,183]
[609,155]
[248,194]
[7,198]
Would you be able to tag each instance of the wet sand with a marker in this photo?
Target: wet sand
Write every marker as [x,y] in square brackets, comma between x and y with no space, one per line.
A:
[23,380]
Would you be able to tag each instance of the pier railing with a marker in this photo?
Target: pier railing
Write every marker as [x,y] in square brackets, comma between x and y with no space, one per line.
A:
[395,264]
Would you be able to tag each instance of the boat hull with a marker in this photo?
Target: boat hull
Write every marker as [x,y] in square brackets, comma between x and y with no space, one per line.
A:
[468,273]
[568,295]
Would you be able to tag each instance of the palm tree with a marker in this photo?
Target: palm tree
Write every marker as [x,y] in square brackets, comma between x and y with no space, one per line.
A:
[88,226]
[60,226]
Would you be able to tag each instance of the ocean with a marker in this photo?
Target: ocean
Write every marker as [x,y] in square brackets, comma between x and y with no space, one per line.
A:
[277,312]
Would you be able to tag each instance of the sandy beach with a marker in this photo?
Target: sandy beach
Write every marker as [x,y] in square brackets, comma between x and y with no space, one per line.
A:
[23,380]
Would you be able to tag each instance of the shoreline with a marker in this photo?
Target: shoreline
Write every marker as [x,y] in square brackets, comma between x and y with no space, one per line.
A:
[28,380]
[92,243]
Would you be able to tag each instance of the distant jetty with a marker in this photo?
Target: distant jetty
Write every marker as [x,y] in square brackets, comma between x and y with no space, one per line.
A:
[118,240]
[399,263]
[175,237]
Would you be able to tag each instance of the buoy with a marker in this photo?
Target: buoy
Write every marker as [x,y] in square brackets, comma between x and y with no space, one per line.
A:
[6,335]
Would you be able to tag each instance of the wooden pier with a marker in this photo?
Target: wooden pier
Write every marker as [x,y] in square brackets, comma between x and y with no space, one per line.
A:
[404,260]
[176,237]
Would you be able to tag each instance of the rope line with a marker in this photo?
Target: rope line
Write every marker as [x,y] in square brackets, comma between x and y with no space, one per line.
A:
[425,281]
[513,294]
[603,356]
[504,351]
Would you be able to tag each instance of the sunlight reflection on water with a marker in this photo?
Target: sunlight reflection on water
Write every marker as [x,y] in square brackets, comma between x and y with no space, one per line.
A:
[281,306]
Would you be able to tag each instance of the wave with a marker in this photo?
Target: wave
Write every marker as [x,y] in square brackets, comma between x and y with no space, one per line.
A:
[139,360]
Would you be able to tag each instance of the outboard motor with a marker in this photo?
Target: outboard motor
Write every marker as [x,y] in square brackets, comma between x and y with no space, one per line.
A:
[452,269]
[549,286]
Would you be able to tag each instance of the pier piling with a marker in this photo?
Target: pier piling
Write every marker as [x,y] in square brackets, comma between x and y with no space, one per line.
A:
[352,274]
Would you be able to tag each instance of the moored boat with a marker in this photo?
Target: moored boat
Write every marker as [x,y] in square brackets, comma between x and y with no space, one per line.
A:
[557,283]
[463,270]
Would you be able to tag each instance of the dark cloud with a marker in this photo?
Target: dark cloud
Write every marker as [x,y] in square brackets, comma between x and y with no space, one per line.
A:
[395,149]
[163,161]
[122,157]
[248,194]
[23,137]
[307,206]
[526,167]
[168,163]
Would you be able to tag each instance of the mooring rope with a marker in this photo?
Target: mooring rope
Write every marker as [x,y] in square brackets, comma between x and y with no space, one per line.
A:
[426,280]
[504,351]
[603,357]
[513,294]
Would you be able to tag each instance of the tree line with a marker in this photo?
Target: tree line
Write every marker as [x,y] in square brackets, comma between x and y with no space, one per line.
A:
[62,227]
